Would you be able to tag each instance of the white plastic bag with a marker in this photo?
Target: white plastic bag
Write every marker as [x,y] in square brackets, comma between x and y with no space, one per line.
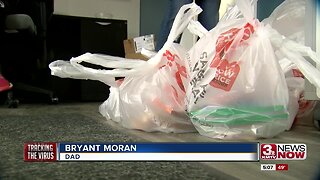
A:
[151,96]
[223,114]
[237,88]
[297,69]
[153,101]
[295,83]
[289,20]
[298,107]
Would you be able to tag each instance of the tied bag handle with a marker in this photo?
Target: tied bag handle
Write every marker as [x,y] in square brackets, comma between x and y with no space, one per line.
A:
[196,28]
[65,69]
[296,52]
[244,7]
[184,16]
[73,68]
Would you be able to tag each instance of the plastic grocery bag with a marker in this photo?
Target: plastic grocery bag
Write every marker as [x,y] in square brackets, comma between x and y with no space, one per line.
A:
[292,65]
[151,95]
[298,107]
[237,87]
[295,83]
[153,102]
[288,19]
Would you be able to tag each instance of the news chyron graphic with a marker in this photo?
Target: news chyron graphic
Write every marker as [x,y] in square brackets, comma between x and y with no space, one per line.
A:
[141,152]
[51,151]
[283,151]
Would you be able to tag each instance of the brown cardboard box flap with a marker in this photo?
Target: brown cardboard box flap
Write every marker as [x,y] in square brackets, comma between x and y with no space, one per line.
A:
[128,46]
[136,56]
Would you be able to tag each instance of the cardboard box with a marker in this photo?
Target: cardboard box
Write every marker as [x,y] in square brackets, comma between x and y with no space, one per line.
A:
[136,56]
[133,46]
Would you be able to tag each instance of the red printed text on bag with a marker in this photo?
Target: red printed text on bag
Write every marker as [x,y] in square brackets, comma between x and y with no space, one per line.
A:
[226,75]
[181,70]
[226,71]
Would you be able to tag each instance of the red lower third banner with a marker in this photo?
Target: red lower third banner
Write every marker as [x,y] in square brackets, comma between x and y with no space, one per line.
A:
[40,151]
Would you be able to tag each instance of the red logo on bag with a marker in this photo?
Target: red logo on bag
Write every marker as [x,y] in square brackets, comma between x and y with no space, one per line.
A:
[226,75]
[170,57]
[181,70]
[226,39]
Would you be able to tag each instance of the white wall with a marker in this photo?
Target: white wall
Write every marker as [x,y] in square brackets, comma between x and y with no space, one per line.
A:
[112,9]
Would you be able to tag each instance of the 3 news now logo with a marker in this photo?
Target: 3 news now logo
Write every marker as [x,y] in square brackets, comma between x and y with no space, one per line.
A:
[283,151]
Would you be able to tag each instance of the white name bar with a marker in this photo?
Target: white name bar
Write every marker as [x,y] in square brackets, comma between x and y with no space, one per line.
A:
[158,157]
